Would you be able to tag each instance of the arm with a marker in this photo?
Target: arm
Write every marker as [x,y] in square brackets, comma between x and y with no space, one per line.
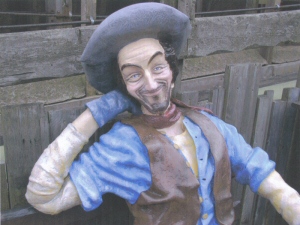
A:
[253,167]
[50,189]
[284,198]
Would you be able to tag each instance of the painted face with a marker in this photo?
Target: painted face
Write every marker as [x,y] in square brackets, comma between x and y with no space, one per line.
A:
[147,74]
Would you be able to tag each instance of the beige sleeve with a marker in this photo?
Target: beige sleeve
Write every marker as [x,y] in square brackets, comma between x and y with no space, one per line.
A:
[49,189]
[285,199]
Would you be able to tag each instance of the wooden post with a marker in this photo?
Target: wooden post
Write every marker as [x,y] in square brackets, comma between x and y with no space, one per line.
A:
[289,95]
[102,7]
[4,188]
[298,79]
[59,7]
[294,166]
[251,4]
[88,10]
[241,83]
[172,3]
[187,7]
[199,5]
[259,138]
[265,212]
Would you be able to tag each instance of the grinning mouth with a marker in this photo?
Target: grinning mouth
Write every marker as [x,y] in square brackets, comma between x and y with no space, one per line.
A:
[152,92]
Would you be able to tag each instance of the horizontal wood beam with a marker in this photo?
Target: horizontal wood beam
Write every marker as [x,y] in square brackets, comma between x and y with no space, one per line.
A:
[39,55]
[270,75]
[235,33]
[47,92]
[214,64]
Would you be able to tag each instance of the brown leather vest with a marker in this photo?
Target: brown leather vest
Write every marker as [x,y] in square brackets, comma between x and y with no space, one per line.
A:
[173,197]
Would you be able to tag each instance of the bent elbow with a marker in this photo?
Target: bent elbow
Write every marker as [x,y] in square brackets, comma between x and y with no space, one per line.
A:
[39,204]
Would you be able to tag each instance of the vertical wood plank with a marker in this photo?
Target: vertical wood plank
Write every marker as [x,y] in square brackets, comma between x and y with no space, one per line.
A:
[259,138]
[1,128]
[265,212]
[59,119]
[88,9]
[261,125]
[190,98]
[218,101]
[298,79]
[241,84]
[262,119]
[4,188]
[187,7]
[294,166]
[172,3]
[289,95]
[59,7]
[199,5]
[22,143]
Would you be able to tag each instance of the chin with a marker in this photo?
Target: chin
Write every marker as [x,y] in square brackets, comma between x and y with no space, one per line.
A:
[157,108]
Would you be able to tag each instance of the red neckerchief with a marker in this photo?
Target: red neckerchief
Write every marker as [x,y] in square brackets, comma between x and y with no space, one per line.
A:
[171,116]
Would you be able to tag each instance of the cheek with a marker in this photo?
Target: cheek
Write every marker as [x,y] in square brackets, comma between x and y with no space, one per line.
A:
[131,90]
[168,75]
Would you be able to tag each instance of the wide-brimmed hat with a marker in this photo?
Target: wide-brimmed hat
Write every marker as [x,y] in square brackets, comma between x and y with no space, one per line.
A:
[143,20]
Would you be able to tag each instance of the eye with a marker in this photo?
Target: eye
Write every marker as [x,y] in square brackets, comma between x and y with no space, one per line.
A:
[159,68]
[133,77]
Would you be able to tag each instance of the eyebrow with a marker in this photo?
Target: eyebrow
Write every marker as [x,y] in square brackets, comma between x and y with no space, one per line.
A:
[129,64]
[154,55]
[150,60]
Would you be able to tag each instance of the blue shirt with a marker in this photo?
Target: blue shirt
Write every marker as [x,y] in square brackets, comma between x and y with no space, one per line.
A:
[119,164]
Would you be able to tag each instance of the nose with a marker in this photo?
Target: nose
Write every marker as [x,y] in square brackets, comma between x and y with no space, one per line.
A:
[150,82]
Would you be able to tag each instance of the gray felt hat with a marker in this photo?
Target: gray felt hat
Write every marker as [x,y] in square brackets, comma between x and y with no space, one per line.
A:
[143,20]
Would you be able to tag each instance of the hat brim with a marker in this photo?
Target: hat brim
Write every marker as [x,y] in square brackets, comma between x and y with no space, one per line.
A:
[143,20]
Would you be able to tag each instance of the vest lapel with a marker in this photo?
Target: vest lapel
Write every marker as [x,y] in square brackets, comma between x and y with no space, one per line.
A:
[222,176]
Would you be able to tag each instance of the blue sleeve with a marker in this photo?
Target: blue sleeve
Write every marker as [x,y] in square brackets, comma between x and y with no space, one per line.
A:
[118,163]
[250,165]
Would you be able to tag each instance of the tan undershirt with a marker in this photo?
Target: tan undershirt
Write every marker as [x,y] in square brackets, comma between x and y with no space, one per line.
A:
[186,145]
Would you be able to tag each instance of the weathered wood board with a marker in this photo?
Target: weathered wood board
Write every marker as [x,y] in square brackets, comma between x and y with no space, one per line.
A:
[259,136]
[283,54]
[4,188]
[47,92]
[241,84]
[278,73]
[215,64]
[270,74]
[284,152]
[294,165]
[202,83]
[298,79]
[235,33]
[39,55]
